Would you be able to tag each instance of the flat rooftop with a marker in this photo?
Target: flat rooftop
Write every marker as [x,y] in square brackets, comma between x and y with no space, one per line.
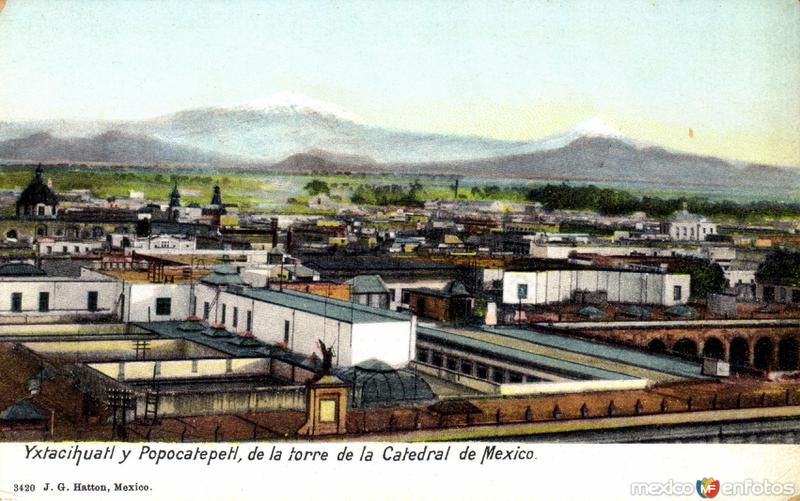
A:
[564,355]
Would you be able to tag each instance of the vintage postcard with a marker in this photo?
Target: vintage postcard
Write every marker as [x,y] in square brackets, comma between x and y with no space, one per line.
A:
[399,249]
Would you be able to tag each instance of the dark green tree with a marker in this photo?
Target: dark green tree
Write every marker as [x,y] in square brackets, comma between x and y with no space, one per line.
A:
[316,186]
[780,267]
[706,277]
[143,227]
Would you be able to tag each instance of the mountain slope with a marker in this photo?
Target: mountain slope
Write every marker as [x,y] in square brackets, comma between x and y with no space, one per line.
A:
[111,146]
[290,132]
[614,160]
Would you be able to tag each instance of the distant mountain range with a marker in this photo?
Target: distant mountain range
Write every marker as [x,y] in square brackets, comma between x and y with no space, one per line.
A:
[292,133]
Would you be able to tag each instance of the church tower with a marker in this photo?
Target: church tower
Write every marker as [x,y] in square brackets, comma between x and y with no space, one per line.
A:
[175,197]
[216,200]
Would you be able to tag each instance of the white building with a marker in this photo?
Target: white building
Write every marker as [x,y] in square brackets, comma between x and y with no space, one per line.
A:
[166,243]
[622,286]
[50,246]
[28,294]
[297,321]
[563,251]
[686,226]
[148,302]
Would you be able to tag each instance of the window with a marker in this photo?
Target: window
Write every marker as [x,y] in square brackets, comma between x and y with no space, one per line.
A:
[44,301]
[40,210]
[49,249]
[91,301]
[514,377]
[194,366]
[77,249]
[466,367]
[235,316]
[422,355]
[392,294]
[16,301]
[249,321]
[404,297]
[498,375]
[482,371]
[206,310]
[163,305]
[452,364]
[677,292]
[522,291]
[437,359]
[327,410]
[224,312]
[64,249]
[286,327]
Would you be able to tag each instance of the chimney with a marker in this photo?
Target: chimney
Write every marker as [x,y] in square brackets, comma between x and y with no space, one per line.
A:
[274,230]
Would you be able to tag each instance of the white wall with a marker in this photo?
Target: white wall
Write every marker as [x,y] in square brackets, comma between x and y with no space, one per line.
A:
[388,341]
[559,251]
[140,302]
[66,296]
[72,247]
[557,286]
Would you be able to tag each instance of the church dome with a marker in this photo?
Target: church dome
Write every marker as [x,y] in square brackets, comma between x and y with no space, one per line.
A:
[37,192]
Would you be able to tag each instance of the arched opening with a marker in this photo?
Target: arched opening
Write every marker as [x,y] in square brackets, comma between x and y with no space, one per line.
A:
[740,353]
[685,347]
[762,354]
[11,234]
[656,346]
[98,232]
[789,354]
[713,348]
[41,231]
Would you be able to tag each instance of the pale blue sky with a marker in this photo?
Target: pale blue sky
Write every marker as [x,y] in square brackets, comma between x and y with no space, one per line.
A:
[728,69]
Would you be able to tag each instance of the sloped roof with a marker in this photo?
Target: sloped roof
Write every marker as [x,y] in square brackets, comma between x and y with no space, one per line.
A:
[636,311]
[591,312]
[223,274]
[367,284]
[20,270]
[23,410]
[456,288]
[682,311]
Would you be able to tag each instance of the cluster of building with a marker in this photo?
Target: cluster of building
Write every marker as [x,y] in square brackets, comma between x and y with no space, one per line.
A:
[155,311]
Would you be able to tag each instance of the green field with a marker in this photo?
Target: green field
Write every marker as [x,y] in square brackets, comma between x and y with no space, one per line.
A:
[282,193]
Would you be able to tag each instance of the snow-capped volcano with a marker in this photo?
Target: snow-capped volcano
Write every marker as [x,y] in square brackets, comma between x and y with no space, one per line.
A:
[597,127]
[295,102]
[592,128]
